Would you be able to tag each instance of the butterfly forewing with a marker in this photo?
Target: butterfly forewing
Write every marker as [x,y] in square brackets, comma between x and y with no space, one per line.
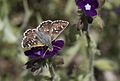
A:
[45,26]
[57,27]
[44,31]
[30,39]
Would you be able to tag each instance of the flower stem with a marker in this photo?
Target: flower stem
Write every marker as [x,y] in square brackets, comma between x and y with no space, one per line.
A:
[91,58]
[54,76]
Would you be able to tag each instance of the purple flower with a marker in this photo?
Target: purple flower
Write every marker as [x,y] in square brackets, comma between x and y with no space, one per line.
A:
[88,6]
[43,51]
[117,10]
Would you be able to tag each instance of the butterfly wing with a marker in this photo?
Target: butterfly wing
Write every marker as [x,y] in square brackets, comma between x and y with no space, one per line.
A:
[30,39]
[57,28]
[44,32]
[45,27]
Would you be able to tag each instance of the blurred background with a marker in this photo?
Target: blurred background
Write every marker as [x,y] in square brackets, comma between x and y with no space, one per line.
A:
[18,15]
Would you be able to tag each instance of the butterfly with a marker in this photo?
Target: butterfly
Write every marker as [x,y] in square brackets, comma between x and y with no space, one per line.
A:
[44,34]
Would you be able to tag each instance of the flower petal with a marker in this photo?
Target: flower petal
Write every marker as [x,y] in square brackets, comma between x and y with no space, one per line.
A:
[87,1]
[91,12]
[94,4]
[37,51]
[43,51]
[58,43]
[30,53]
[117,10]
[80,3]
[77,2]
[52,53]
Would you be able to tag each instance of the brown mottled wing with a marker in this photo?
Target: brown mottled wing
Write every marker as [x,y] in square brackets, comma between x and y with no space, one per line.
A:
[30,33]
[45,27]
[44,32]
[58,27]
[30,39]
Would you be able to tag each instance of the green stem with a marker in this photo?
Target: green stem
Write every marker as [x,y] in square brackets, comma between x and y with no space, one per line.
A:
[91,58]
[54,76]
[28,14]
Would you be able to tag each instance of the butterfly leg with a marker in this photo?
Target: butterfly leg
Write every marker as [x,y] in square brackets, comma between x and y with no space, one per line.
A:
[44,53]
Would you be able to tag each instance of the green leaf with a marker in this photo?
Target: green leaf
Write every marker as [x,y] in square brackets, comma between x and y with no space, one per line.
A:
[1,25]
[101,2]
[69,7]
[98,22]
[83,78]
[9,36]
[106,64]
[108,5]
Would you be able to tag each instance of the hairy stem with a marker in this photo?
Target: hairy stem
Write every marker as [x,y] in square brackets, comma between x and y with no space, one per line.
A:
[91,58]
[54,76]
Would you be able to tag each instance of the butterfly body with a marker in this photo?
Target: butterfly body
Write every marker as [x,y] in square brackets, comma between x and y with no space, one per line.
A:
[44,34]
[44,39]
